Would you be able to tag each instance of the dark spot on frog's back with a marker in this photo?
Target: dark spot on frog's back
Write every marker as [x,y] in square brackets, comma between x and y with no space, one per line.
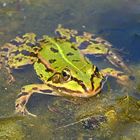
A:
[16,52]
[75,60]
[35,88]
[53,50]
[70,54]
[18,59]
[16,43]
[35,49]
[40,75]
[52,60]
[33,54]
[72,39]
[39,61]
[27,53]
[84,44]
[24,52]
[30,44]
[46,91]
[97,48]
[74,48]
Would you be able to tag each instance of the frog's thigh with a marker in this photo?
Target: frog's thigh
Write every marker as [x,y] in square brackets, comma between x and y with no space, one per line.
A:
[119,75]
[20,60]
[26,93]
[104,50]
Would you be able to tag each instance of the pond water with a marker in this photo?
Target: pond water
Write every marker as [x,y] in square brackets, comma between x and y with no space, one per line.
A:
[115,113]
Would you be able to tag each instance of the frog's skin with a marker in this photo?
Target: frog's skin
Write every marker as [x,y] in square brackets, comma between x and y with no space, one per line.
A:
[60,64]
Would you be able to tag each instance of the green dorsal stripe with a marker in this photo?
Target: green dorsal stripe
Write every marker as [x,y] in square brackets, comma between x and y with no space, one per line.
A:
[63,56]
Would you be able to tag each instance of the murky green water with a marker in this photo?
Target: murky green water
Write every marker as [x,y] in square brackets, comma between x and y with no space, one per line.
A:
[117,21]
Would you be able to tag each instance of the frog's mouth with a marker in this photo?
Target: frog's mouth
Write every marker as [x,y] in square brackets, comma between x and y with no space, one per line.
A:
[63,91]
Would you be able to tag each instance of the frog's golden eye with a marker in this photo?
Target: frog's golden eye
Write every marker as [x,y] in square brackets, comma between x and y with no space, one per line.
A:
[66,74]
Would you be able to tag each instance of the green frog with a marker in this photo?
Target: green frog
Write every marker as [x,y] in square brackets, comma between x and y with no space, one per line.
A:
[61,64]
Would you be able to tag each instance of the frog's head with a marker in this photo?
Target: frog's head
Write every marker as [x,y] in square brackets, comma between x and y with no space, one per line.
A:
[80,84]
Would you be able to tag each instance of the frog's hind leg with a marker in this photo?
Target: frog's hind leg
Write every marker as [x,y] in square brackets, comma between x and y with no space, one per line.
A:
[99,46]
[4,54]
[26,93]
[19,52]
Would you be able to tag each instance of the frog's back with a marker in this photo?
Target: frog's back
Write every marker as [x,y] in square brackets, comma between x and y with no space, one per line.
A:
[60,54]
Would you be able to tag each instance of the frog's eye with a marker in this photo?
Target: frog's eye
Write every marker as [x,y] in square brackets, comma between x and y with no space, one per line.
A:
[66,74]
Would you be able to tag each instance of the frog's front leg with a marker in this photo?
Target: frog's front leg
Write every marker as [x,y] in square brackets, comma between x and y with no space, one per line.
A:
[119,75]
[26,93]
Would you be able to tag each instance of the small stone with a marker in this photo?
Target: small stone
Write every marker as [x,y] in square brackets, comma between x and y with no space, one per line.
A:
[83,26]
[4,4]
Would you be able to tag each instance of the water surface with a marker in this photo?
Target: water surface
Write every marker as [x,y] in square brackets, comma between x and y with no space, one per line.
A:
[117,21]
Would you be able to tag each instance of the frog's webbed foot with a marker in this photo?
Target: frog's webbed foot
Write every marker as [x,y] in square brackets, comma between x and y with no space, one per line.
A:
[25,94]
[20,106]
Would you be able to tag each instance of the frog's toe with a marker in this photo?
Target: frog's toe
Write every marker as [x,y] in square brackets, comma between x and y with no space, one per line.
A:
[11,79]
[22,110]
